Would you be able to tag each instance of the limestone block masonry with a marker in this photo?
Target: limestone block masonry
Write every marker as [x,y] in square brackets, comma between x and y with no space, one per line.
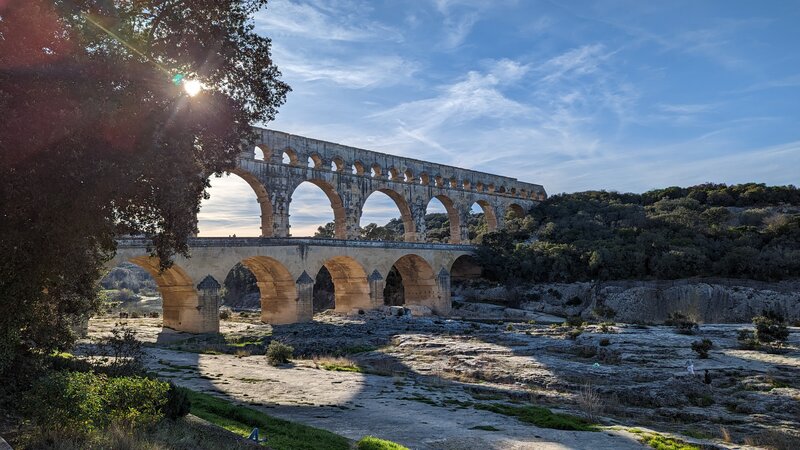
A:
[285,268]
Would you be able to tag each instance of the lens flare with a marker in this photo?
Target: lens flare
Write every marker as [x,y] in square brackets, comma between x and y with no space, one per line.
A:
[192,87]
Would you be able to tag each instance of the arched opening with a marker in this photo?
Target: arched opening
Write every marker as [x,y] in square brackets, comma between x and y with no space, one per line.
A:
[515,211]
[408,176]
[479,186]
[442,222]
[418,284]
[453,183]
[307,208]
[180,302]
[376,171]
[439,181]
[324,293]
[358,168]
[424,179]
[482,219]
[337,164]
[463,273]
[258,154]
[290,157]
[466,185]
[231,209]
[350,285]
[393,292]
[315,161]
[490,188]
[277,289]
[130,290]
[394,174]
[379,219]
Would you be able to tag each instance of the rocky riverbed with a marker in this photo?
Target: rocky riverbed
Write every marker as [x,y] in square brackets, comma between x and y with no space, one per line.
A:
[426,381]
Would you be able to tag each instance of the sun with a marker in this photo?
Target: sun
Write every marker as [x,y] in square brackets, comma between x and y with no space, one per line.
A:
[192,87]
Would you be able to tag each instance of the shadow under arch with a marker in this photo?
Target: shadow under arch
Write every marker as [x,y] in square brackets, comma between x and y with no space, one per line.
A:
[264,202]
[339,217]
[489,214]
[452,216]
[516,211]
[409,230]
[178,293]
[277,288]
[419,282]
[350,285]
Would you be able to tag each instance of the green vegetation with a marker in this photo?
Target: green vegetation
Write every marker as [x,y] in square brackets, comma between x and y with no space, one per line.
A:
[739,231]
[281,434]
[702,347]
[661,442]
[540,416]
[770,329]
[373,443]
[682,324]
[279,353]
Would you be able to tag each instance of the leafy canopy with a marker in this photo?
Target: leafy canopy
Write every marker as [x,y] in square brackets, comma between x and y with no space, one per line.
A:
[96,140]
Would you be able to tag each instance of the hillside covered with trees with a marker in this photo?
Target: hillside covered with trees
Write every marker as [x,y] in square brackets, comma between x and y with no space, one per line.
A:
[711,230]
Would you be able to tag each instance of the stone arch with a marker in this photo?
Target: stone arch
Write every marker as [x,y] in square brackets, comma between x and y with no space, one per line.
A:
[463,268]
[264,202]
[479,186]
[466,185]
[351,288]
[516,210]
[316,161]
[394,174]
[337,164]
[376,171]
[439,181]
[424,179]
[489,214]
[453,217]
[339,216]
[419,281]
[409,230]
[408,176]
[453,182]
[358,168]
[258,153]
[290,156]
[277,288]
[180,298]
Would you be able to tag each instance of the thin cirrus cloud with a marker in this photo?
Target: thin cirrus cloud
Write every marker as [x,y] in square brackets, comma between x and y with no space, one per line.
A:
[602,95]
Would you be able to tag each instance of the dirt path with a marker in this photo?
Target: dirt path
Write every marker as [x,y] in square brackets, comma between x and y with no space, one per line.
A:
[354,404]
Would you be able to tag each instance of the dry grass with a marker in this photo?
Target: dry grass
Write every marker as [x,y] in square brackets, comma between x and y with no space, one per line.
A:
[725,435]
[774,439]
[336,363]
[590,402]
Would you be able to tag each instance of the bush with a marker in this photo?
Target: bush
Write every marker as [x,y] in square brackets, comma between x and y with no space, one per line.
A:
[134,402]
[122,354]
[702,347]
[373,443]
[177,404]
[225,314]
[771,328]
[279,353]
[747,340]
[682,324]
[605,342]
[80,403]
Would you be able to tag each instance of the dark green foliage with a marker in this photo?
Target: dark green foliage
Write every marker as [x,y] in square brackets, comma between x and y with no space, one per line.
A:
[539,416]
[702,347]
[129,276]
[279,353]
[771,328]
[373,443]
[121,353]
[96,141]
[681,323]
[663,234]
[177,404]
[84,402]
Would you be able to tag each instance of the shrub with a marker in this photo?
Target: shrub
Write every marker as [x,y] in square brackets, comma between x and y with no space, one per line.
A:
[373,443]
[80,403]
[590,402]
[225,314]
[702,347]
[134,401]
[510,327]
[122,354]
[279,353]
[605,342]
[177,404]
[681,323]
[574,321]
[771,328]
[747,340]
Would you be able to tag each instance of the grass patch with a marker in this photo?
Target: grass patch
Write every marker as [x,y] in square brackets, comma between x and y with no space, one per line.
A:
[338,364]
[661,442]
[485,428]
[540,416]
[281,434]
[421,399]
[373,443]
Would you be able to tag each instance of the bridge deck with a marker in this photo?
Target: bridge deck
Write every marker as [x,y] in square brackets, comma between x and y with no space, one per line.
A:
[140,242]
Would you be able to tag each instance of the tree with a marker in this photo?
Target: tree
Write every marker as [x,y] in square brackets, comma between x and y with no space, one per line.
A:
[98,139]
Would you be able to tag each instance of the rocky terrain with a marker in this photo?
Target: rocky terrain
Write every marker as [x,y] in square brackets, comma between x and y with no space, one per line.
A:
[703,300]
[426,382]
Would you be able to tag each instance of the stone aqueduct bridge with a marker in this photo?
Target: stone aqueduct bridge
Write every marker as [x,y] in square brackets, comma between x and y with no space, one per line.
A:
[285,268]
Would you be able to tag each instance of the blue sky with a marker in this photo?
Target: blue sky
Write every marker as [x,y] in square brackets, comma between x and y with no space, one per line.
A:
[617,95]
